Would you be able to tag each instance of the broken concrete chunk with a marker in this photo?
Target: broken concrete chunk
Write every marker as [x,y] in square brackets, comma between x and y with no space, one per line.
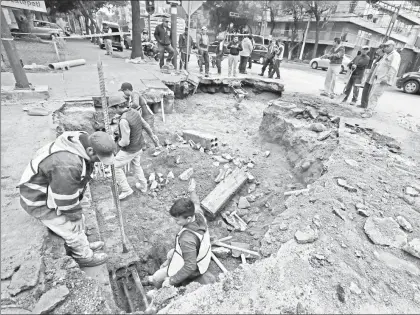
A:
[220,176]
[152,177]
[227,156]
[312,112]
[252,188]
[251,178]
[385,231]
[343,183]
[153,185]
[50,299]
[216,164]
[221,252]
[219,159]
[324,135]
[170,175]
[250,165]
[178,159]
[335,119]
[351,162]
[411,191]
[267,153]
[363,213]
[243,203]
[186,175]
[413,247]
[317,127]
[339,213]
[404,224]
[156,153]
[355,289]
[27,275]
[307,236]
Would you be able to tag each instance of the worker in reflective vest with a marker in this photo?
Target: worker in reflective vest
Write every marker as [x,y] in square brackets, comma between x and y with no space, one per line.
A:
[190,259]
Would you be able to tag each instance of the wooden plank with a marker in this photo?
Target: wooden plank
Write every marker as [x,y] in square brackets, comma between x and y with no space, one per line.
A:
[220,195]
[219,263]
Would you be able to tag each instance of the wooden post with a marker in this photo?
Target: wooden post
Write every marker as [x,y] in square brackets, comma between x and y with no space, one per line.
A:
[174,21]
[12,55]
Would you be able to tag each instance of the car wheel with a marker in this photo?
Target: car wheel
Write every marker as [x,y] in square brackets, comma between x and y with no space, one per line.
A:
[261,60]
[53,35]
[314,65]
[411,87]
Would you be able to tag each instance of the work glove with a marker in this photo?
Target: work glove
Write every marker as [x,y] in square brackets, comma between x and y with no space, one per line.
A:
[166,283]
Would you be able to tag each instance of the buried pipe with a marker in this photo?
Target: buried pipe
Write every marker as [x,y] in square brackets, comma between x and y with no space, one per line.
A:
[66,65]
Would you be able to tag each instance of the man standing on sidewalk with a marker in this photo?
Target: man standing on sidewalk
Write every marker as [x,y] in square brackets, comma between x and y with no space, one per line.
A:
[53,185]
[245,54]
[278,58]
[163,37]
[182,43]
[368,83]
[131,144]
[269,56]
[336,58]
[253,47]
[220,49]
[357,66]
[234,49]
[108,40]
[383,76]
[203,50]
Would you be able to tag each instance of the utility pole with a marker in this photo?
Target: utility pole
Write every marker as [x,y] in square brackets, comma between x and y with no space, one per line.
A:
[174,22]
[304,38]
[188,36]
[12,54]
[392,23]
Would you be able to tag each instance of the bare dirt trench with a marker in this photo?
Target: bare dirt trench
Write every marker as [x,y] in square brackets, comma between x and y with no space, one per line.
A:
[148,224]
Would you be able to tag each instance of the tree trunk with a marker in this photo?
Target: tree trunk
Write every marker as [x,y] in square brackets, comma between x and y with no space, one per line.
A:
[25,20]
[137,49]
[80,24]
[316,37]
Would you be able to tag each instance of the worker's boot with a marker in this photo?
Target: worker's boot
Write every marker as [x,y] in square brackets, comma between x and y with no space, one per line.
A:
[96,260]
[125,194]
[96,245]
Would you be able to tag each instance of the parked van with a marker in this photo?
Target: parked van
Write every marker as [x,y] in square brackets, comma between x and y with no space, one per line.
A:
[117,40]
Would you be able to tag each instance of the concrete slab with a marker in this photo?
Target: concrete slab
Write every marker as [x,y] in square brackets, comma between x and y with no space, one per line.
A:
[38,92]
[154,84]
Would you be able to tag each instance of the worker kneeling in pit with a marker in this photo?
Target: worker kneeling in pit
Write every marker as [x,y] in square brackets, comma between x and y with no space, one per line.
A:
[190,259]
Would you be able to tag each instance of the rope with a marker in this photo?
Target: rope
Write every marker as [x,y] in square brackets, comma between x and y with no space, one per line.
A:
[109,131]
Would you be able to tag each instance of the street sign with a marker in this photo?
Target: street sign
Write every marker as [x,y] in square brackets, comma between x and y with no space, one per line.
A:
[38,6]
[195,5]
[233,14]
[177,2]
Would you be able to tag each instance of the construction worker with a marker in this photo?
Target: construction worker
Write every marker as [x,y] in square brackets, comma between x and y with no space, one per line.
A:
[182,43]
[203,50]
[368,86]
[269,56]
[357,66]
[190,259]
[335,56]
[164,38]
[131,143]
[53,185]
[383,76]
[137,102]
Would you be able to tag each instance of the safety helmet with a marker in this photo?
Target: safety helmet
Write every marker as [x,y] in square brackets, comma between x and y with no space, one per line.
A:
[116,99]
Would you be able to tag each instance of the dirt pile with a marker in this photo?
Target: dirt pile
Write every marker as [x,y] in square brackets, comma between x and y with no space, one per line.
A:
[324,255]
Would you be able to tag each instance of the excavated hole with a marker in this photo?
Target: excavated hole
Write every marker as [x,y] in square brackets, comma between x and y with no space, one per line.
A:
[300,160]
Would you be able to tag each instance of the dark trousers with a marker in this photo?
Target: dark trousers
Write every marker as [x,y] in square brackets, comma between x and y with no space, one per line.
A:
[162,49]
[268,61]
[242,64]
[183,61]
[351,85]
[275,68]
[219,64]
[205,59]
[249,63]
[365,95]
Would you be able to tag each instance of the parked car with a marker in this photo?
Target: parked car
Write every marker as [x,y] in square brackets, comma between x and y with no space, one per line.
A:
[213,46]
[324,63]
[409,82]
[117,40]
[258,54]
[43,29]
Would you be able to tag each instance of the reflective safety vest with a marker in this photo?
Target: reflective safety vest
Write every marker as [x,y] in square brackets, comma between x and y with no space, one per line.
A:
[37,192]
[203,257]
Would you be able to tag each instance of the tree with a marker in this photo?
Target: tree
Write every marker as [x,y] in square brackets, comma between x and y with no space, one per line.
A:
[25,21]
[297,10]
[274,7]
[320,10]
[219,13]
[137,49]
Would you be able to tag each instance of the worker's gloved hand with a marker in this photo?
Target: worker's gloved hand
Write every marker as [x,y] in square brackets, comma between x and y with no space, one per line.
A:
[353,67]
[166,283]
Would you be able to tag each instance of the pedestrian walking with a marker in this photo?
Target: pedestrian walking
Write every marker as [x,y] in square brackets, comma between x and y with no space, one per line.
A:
[182,44]
[357,66]
[278,58]
[245,53]
[269,56]
[368,83]
[107,40]
[203,50]
[335,56]
[220,50]
[163,37]
[54,182]
[131,144]
[383,76]
[233,59]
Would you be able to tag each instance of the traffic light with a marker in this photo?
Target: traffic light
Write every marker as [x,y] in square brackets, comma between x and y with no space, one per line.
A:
[150,6]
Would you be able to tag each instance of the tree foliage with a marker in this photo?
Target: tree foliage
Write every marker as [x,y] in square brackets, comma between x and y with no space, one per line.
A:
[297,10]
[320,11]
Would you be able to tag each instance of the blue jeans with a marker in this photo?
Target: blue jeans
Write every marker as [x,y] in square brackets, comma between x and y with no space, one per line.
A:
[162,49]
